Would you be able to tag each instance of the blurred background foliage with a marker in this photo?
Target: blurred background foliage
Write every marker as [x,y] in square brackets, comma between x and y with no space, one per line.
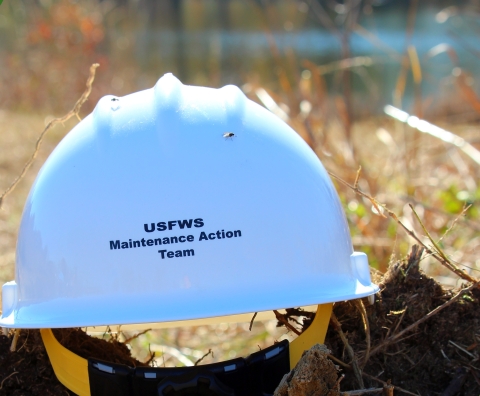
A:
[47,44]
[327,67]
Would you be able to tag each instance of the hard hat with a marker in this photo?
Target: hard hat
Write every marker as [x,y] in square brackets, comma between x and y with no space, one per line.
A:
[179,203]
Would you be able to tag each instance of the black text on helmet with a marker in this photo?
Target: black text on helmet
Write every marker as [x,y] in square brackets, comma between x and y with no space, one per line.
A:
[164,225]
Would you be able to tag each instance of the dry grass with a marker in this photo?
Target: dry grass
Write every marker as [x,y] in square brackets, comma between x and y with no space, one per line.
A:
[226,341]
[17,141]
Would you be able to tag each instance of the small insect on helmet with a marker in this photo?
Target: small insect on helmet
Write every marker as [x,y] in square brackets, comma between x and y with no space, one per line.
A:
[179,203]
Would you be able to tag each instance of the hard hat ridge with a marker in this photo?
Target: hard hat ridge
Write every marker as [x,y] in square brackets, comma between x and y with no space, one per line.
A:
[103,114]
[235,102]
[168,92]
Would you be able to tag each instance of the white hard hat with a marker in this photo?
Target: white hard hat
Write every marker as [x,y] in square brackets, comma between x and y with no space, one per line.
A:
[177,203]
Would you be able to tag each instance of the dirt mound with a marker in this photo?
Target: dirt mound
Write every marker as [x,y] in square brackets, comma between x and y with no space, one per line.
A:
[408,336]
[28,372]
[437,357]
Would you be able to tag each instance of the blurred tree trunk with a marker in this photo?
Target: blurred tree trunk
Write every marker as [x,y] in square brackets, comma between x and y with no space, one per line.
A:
[166,15]
[176,7]
[227,60]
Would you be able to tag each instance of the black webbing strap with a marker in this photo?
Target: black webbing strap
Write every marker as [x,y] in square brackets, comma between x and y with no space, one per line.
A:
[257,375]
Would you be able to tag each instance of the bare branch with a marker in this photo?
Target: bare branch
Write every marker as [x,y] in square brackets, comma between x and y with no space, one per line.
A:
[366,325]
[370,377]
[282,319]
[460,215]
[355,184]
[251,322]
[13,347]
[374,202]
[437,247]
[74,112]
[203,357]
[356,369]
[7,377]
[130,339]
[377,206]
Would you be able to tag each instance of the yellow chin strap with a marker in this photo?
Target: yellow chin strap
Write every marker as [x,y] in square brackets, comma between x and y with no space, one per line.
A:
[315,334]
[72,370]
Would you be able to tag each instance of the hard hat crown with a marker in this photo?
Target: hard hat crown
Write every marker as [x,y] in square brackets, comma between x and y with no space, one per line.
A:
[177,203]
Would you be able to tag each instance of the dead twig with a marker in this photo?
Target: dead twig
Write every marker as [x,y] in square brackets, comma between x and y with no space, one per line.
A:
[361,392]
[460,215]
[341,363]
[356,369]
[388,389]
[151,357]
[282,319]
[251,322]
[373,201]
[108,331]
[7,377]
[445,263]
[25,342]
[74,112]
[13,347]
[116,335]
[377,205]
[384,383]
[397,336]
[435,244]
[136,336]
[467,222]
[337,384]
[366,326]
[400,320]
[355,184]
[370,377]
[462,349]
[203,357]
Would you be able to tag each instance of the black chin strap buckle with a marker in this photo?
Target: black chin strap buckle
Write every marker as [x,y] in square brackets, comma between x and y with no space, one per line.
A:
[199,382]
[257,375]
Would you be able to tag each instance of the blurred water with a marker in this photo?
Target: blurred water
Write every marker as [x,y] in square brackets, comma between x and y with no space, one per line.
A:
[219,42]
[239,52]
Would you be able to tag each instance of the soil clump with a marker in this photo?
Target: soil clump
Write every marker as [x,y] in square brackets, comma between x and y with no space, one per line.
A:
[315,374]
